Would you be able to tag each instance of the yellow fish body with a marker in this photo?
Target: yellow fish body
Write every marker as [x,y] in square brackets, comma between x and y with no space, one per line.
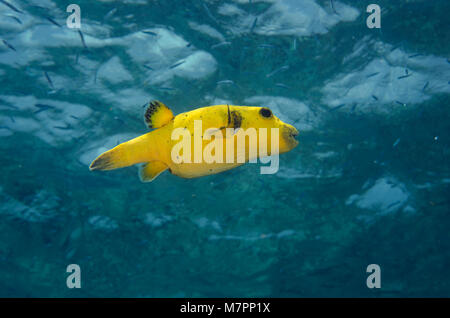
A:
[213,130]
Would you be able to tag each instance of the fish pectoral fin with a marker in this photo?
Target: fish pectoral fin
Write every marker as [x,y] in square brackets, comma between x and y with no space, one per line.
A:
[157,114]
[149,171]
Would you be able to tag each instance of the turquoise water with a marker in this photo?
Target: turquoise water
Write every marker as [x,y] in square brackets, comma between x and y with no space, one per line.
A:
[368,184]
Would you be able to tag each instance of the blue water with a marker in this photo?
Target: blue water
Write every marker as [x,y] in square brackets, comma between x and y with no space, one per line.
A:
[368,184]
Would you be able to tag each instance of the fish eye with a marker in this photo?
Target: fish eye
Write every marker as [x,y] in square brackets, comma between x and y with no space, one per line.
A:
[265,112]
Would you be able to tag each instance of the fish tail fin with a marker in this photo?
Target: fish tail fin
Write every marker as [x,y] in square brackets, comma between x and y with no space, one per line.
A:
[134,151]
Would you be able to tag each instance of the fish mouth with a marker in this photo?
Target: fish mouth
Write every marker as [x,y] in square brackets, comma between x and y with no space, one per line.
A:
[292,136]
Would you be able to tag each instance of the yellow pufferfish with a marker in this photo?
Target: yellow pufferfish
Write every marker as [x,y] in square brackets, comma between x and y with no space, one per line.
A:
[154,149]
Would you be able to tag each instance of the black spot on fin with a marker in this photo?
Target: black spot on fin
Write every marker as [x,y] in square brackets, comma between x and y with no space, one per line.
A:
[157,114]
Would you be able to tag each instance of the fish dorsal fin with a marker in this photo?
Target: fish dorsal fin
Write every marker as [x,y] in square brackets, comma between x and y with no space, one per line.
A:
[151,170]
[157,114]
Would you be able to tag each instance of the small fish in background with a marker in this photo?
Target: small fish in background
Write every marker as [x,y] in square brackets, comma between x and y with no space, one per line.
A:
[400,103]
[337,107]
[149,32]
[374,97]
[5,127]
[177,64]
[15,19]
[96,74]
[49,80]
[407,74]
[38,105]
[283,68]
[254,24]
[53,22]
[372,75]
[282,85]
[266,46]
[165,88]
[392,205]
[9,45]
[42,107]
[425,86]
[82,39]
[332,7]
[396,143]
[110,13]
[227,82]
[148,67]
[67,127]
[9,5]
[294,44]
[209,13]
[414,55]
[215,46]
